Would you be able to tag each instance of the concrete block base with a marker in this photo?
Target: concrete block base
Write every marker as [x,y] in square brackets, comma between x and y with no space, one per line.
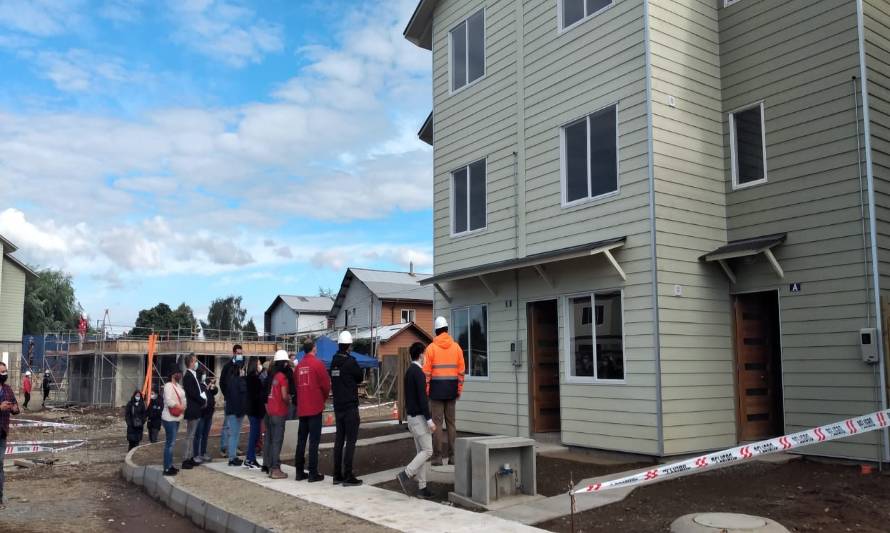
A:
[725,523]
[504,503]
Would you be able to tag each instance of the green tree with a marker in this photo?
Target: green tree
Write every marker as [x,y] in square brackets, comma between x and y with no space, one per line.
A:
[225,319]
[160,318]
[50,303]
[250,332]
[327,292]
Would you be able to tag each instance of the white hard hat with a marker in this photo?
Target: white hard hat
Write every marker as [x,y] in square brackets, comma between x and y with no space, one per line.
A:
[441,322]
[27,372]
[344,338]
[281,355]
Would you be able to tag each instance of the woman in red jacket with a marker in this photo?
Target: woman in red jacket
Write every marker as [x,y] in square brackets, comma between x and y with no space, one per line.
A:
[26,388]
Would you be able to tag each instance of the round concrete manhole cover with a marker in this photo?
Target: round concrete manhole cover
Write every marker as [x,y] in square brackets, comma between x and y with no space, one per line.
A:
[739,522]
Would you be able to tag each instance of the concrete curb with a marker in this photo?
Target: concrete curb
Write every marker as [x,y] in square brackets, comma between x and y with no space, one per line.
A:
[183,502]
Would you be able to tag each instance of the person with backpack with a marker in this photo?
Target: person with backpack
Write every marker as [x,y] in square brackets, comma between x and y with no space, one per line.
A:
[313,387]
[174,409]
[278,401]
[155,410]
[135,413]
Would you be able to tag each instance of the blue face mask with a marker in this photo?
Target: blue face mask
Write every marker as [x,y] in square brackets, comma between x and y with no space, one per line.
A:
[239,358]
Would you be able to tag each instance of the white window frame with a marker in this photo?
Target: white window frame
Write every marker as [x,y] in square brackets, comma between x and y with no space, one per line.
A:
[567,340]
[412,315]
[559,16]
[467,376]
[563,176]
[733,149]
[468,84]
[727,3]
[468,231]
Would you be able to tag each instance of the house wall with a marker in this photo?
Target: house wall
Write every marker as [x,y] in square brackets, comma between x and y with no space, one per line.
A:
[391,313]
[283,320]
[12,301]
[361,299]
[311,321]
[799,58]
[403,340]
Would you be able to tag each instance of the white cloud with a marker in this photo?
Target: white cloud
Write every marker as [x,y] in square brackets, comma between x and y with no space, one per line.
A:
[78,70]
[42,18]
[122,11]
[338,257]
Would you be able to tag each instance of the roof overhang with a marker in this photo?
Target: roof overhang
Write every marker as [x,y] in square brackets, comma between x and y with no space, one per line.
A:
[746,248]
[23,266]
[420,28]
[8,247]
[426,131]
[535,261]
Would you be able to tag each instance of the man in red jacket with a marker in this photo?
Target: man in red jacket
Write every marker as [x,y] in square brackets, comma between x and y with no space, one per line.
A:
[313,387]
[26,388]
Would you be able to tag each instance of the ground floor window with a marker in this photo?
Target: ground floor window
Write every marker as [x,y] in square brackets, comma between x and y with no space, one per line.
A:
[469,327]
[596,336]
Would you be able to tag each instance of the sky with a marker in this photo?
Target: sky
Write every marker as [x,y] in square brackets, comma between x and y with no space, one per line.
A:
[184,150]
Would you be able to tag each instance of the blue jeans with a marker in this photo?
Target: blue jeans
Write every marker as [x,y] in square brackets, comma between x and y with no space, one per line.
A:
[224,435]
[170,430]
[255,427]
[202,435]
[234,426]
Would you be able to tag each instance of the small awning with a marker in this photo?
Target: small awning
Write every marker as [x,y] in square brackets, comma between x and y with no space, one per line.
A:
[536,261]
[426,131]
[744,248]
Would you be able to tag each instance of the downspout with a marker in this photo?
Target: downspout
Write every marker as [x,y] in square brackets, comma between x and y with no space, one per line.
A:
[647,43]
[872,218]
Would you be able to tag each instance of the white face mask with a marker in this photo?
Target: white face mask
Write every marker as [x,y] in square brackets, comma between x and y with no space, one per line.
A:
[154,396]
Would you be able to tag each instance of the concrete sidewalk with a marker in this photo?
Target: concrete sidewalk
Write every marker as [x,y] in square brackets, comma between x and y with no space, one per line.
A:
[379,506]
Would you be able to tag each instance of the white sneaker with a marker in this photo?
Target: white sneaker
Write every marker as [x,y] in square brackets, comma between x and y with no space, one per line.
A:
[207,458]
[198,459]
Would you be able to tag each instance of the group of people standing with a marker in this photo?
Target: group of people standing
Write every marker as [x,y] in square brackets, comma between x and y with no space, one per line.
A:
[28,386]
[269,395]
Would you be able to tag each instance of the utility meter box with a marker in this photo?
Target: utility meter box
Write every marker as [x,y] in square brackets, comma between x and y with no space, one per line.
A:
[493,470]
[868,345]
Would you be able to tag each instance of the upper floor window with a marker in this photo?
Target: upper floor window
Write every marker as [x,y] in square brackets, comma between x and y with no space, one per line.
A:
[469,327]
[468,51]
[408,315]
[573,11]
[590,156]
[596,337]
[468,198]
[747,139]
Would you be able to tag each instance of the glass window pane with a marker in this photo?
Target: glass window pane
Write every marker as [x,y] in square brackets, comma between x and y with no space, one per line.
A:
[476,49]
[460,332]
[459,57]
[477,195]
[572,12]
[603,162]
[595,5]
[460,201]
[478,341]
[609,338]
[581,358]
[576,161]
[749,145]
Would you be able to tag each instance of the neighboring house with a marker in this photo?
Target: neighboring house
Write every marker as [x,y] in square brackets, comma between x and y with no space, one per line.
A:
[392,338]
[296,314]
[373,298]
[659,218]
[13,274]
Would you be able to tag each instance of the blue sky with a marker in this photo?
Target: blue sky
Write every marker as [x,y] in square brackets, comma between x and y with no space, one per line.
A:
[184,150]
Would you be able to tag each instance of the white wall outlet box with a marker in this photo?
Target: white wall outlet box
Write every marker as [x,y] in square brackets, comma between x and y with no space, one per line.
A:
[678,290]
[672,101]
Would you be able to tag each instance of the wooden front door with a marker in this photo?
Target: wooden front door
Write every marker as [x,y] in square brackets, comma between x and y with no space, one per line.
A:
[543,335]
[758,361]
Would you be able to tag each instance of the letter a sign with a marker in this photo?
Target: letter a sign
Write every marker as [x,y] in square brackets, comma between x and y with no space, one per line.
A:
[794,287]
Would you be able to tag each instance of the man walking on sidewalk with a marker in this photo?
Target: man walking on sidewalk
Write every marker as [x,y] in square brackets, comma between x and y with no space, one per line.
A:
[443,364]
[196,400]
[420,424]
[8,407]
[313,387]
[345,377]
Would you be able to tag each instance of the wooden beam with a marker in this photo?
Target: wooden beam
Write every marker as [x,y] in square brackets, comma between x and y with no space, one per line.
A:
[727,270]
[487,286]
[611,258]
[774,263]
[543,273]
[442,292]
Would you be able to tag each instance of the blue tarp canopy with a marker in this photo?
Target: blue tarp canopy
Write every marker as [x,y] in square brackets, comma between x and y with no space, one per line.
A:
[326,348]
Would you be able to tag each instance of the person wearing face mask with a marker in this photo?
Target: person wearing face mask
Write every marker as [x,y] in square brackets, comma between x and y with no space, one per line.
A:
[208,386]
[278,400]
[134,414]
[313,387]
[234,388]
[174,408]
[8,406]
[155,410]
[196,399]
[255,409]
[237,355]
[420,423]
[26,388]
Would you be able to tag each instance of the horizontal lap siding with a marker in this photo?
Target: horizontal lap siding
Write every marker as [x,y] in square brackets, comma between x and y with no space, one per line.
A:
[799,57]
[12,300]
[690,210]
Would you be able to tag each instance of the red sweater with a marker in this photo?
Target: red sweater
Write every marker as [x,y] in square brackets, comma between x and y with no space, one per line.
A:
[313,386]
[26,385]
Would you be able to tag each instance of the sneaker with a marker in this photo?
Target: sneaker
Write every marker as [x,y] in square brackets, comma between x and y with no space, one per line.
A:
[251,465]
[236,462]
[404,480]
[316,477]
[206,459]
[265,469]
[197,459]
[223,453]
[424,493]
[352,481]
[175,470]
[301,475]
[338,480]
[277,474]
[170,471]
[437,461]
[188,464]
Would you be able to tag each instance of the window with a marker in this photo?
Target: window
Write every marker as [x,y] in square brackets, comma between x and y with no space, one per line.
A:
[573,11]
[590,156]
[596,336]
[469,327]
[407,315]
[747,138]
[468,198]
[468,51]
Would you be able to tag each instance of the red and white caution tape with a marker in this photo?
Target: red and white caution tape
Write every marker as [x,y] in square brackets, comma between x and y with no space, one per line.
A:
[21,422]
[837,430]
[18,448]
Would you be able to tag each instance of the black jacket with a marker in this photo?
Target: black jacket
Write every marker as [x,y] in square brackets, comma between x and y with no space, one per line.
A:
[256,396]
[416,401]
[235,391]
[155,410]
[345,377]
[135,414]
[194,403]
[210,406]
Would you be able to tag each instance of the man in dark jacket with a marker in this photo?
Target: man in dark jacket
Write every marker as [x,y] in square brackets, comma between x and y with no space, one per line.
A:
[195,400]
[420,423]
[155,410]
[208,387]
[234,388]
[237,355]
[345,377]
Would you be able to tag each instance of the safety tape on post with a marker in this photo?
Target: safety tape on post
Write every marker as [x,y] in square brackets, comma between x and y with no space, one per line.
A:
[21,448]
[829,432]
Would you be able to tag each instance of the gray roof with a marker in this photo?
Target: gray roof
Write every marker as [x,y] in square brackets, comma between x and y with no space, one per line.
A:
[386,333]
[385,285]
[307,304]
[744,247]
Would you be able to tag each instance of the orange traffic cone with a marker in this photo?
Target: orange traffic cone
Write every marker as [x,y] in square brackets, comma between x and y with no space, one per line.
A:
[329,421]
[395,412]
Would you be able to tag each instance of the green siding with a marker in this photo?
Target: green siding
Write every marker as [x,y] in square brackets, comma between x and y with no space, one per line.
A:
[12,301]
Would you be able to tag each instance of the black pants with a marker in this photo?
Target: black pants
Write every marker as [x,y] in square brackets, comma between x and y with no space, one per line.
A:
[27,399]
[310,428]
[45,394]
[347,432]
[153,433]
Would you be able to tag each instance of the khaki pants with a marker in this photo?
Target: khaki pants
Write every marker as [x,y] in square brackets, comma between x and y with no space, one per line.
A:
[443,445]
[423,443]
